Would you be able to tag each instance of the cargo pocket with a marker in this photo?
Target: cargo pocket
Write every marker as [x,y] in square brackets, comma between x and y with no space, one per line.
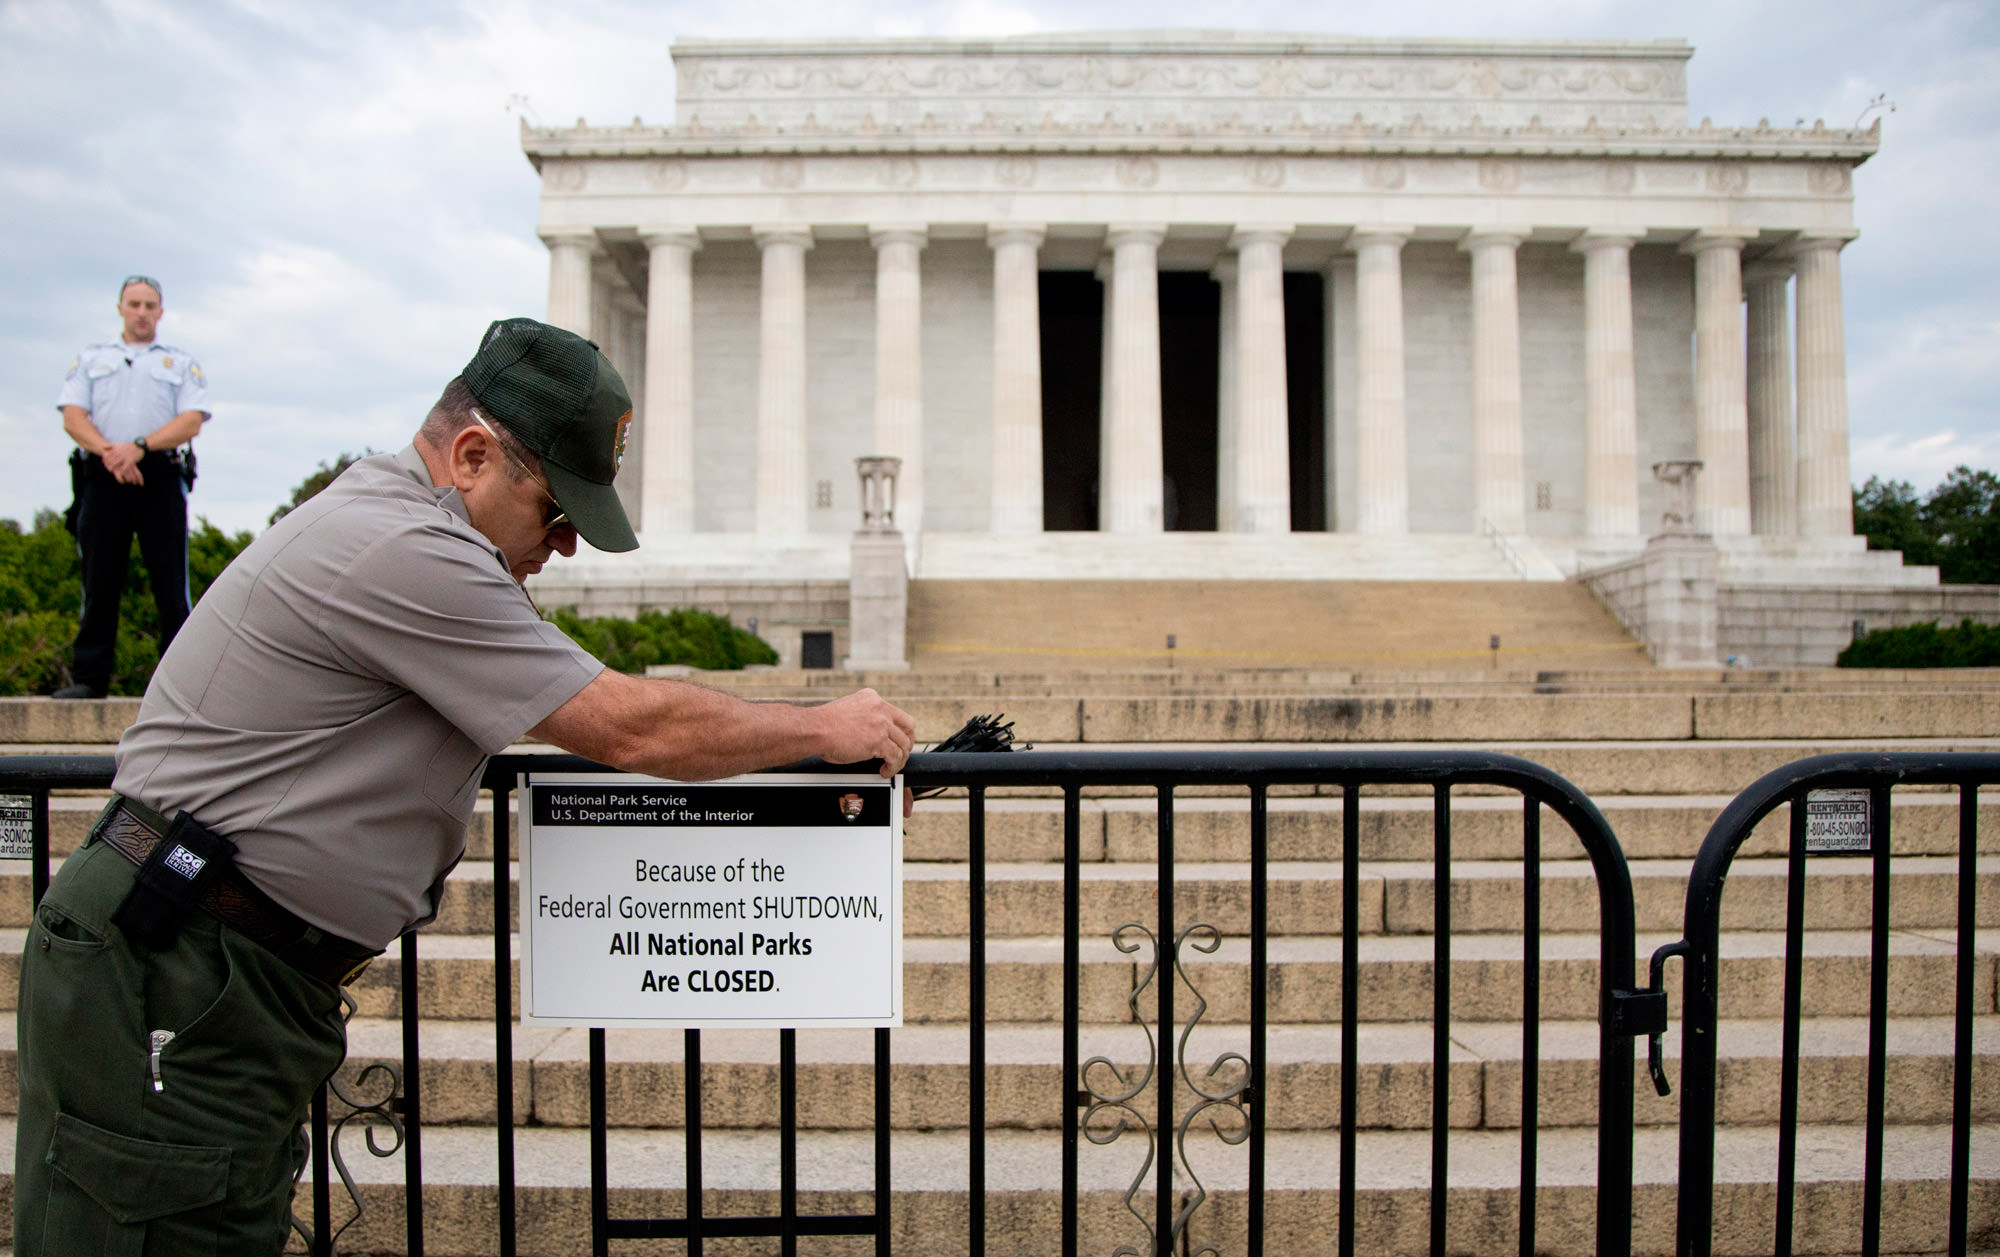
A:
[107,1189]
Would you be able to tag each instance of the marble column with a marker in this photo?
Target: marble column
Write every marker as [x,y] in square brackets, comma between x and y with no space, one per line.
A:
[1499,487]
[1017,377]
[603,281]
[666,472]
[1825,490]
[569,276]
[781,381]
[1382,456]
[1134,494]
[899,365]
[1773,470]
[1721,406]
[1263,430]
[1224,273]
[1106,276]
[625,346]
[1611,417]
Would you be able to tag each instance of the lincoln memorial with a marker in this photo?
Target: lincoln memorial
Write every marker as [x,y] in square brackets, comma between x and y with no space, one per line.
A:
[1211,304]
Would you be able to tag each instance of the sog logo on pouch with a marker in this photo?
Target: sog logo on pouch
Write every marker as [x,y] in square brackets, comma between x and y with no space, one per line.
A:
[185,862]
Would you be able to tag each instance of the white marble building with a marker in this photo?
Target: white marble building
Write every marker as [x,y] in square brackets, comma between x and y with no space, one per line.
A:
[1209,304]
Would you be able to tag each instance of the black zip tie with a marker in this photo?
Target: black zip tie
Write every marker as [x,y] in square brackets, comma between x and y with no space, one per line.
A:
[981,733]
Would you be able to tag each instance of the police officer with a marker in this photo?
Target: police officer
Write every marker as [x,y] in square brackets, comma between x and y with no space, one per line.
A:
[130,405]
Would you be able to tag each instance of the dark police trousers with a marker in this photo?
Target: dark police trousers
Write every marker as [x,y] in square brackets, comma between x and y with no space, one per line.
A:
[105,1165]
[109,515]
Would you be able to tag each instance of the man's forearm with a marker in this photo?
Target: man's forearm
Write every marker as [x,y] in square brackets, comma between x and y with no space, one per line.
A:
[179,430]
[671,729]
[77,424]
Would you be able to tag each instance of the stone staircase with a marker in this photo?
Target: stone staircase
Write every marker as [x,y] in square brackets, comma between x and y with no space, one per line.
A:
[1263,623]
[1661,754]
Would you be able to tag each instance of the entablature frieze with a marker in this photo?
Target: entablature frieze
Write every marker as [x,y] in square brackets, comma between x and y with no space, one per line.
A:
[1760,143]
[1233,188]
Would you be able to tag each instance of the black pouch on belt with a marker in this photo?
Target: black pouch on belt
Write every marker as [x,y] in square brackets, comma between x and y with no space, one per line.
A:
[169,884]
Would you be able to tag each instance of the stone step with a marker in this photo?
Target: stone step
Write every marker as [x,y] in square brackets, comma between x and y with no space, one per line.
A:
[1216,827]
[929,1173]
[1339,718]
[1025,982]
[1306,897]
[930,1074]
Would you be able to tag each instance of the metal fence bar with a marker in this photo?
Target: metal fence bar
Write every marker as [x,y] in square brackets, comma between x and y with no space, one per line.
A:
[413,1115]
[691,1108]
[1163,1169]
[1878,1026]
[501,784]
[322,1194]
[1531,1015]
[1440,1013]
[976,1018]
[1793,1015]
[600,1159]
[1961,1070]
[1254,1099]
[882,1130]
[38,823]
[1350,999]
[1072,1095]
[788,1142]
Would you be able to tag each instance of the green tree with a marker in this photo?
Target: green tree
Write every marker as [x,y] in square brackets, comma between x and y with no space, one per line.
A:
[1955,528]
[699,638]
[1890,515]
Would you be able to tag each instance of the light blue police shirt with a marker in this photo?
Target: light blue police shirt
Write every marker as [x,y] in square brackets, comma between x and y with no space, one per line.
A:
[132,390]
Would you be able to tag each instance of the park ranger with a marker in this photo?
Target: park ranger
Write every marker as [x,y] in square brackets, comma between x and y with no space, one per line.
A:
[297,787]
[130,405]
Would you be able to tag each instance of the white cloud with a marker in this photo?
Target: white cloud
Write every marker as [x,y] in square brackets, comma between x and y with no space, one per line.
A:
[336,198]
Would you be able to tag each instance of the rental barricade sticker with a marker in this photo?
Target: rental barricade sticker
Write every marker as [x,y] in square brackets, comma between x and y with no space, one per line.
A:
[1837,823]
[772,900]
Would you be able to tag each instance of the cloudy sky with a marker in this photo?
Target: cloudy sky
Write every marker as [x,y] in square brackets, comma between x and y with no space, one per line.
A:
[335,199]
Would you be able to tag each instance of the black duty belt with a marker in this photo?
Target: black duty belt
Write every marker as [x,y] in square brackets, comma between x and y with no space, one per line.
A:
[133,830]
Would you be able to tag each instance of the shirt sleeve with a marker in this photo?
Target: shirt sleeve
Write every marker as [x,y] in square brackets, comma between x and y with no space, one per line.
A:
[432,611]
[193,392]
[76,385]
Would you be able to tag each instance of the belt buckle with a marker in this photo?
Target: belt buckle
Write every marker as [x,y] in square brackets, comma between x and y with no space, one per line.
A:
[348,978]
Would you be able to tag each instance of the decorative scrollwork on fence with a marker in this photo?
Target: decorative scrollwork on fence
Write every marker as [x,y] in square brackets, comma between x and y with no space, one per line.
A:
[1225,1102]
[1111,1113]
[385,1113]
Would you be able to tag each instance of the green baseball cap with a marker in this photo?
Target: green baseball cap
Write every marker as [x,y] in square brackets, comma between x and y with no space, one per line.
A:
[562,398]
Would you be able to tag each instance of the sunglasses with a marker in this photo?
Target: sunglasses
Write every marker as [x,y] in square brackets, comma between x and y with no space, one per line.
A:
[553,515]
[147,280]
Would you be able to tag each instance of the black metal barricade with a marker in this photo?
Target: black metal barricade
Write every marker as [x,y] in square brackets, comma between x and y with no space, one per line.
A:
[1093,1088]
[1878,774]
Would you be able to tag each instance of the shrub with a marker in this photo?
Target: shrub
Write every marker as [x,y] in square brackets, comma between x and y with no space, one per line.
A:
[699,638]
[41,593]
[1969,645]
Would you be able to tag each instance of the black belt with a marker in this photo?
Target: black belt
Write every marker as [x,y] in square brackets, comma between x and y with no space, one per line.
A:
[133,830]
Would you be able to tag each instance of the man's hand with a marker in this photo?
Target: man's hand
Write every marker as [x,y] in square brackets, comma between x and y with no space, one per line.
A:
[121,459]
[864,725]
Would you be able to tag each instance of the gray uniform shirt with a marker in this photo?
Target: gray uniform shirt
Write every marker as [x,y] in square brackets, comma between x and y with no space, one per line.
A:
[332,701]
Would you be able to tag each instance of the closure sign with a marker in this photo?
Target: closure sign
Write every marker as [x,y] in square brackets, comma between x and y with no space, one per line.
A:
[773,900]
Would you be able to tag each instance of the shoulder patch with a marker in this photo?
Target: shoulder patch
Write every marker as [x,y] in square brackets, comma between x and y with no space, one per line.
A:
[194,369]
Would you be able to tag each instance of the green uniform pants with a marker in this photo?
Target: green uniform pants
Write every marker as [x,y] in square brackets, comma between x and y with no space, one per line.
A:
[105,1164]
